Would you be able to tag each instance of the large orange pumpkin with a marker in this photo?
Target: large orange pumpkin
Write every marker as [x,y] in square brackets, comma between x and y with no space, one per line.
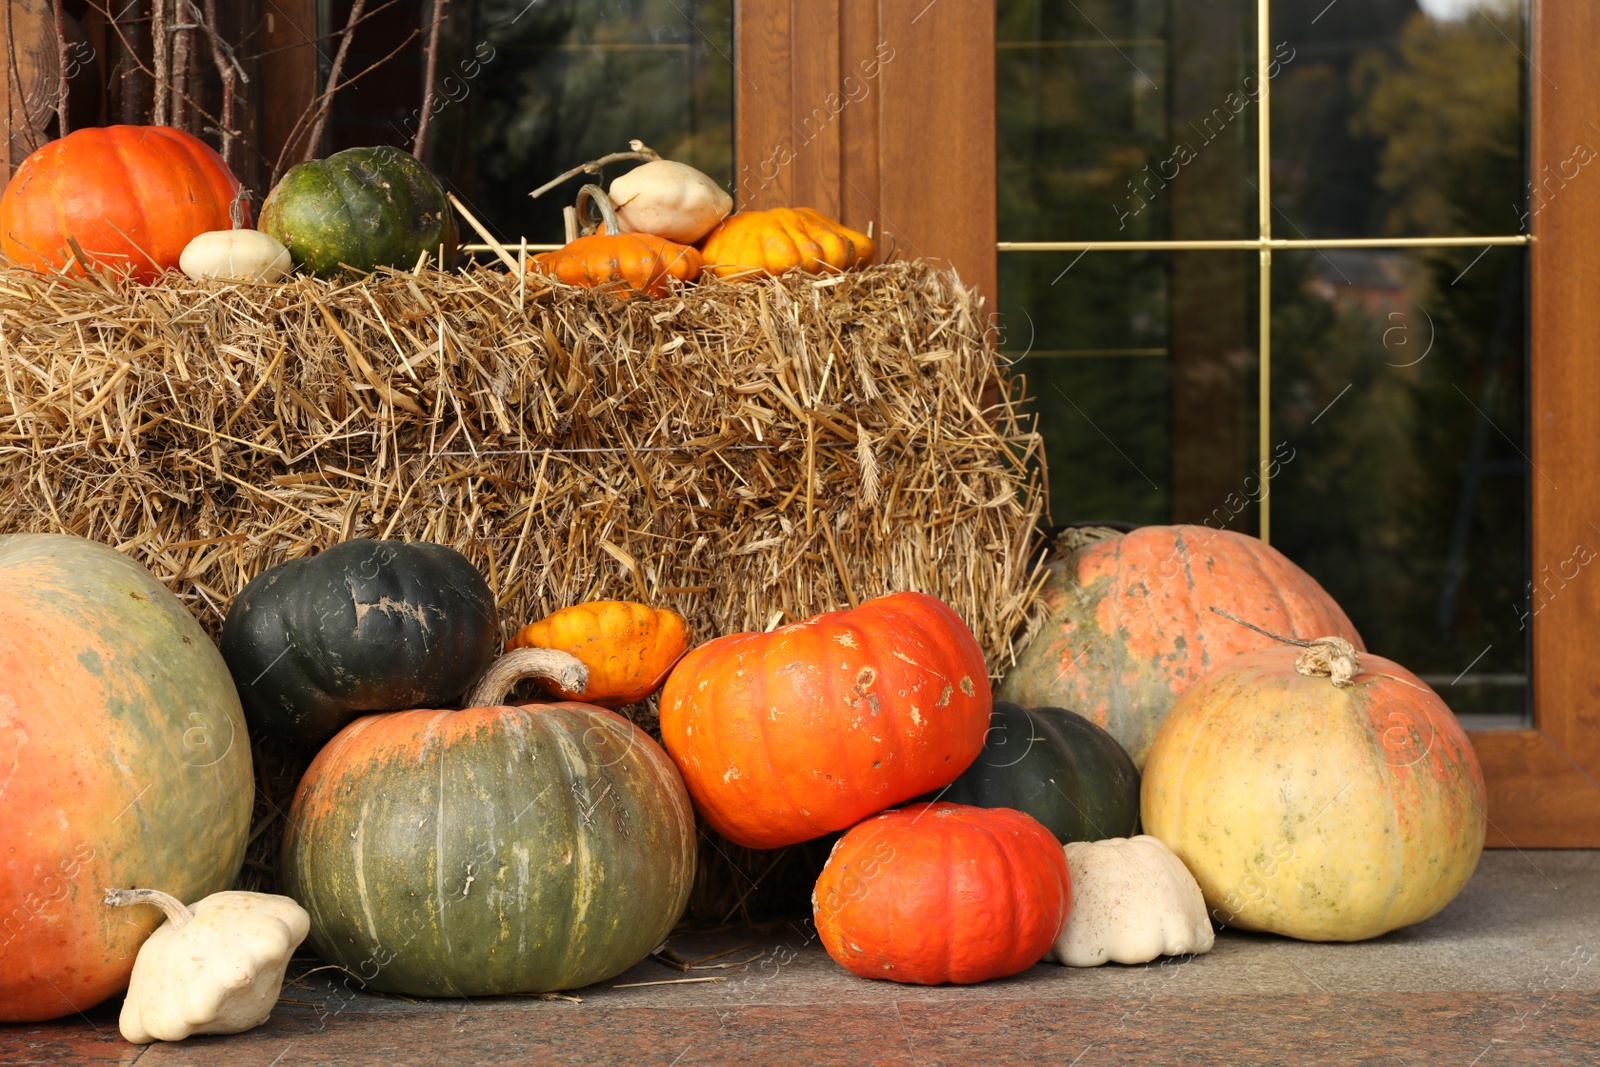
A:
[785,736]
[132,196]
[1129,626]
[628,648]
[123,762]
[1321,794]
[935,893]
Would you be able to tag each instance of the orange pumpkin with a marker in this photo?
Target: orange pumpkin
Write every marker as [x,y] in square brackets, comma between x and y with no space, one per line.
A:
[628,261]
[628,648]
[782,239]
[935,893]
[785,736]
[132,196]
[1319,794]
[1129,627]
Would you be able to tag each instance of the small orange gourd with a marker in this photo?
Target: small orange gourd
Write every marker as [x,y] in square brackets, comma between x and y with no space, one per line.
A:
[627,262]
[629,648]
[782,239]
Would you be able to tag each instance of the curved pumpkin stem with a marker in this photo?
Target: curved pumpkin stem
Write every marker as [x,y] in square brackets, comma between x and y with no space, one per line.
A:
[236,209]
[563,669]
[608,213]
[178,914]
[641,151]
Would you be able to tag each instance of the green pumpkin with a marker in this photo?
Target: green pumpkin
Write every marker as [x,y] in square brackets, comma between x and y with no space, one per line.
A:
[490,851]
[364,626]
[364,208]
[1056,766]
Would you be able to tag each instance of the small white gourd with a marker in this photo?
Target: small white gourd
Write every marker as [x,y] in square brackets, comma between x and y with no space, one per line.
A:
[214,968]
[669,199]
[1132,900]
[239,255]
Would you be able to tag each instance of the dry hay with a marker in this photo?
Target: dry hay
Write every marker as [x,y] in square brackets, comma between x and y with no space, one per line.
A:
[745,453]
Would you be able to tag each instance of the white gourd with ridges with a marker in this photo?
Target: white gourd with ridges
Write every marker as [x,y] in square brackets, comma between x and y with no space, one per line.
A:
[669,199]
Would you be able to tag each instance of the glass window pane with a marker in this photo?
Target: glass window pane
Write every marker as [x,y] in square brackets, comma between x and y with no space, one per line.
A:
[567,81]
[1398,388]
[1392,120]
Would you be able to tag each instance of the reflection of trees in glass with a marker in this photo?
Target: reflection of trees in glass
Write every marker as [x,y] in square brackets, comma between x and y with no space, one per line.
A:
[574,79]
[1408,498]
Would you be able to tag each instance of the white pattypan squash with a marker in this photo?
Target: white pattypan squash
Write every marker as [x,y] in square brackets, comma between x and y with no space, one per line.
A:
[215,968]
[235,255]
[671,200]
[1132,900]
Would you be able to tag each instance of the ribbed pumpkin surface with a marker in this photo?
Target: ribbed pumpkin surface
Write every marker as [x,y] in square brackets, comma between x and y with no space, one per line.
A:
[1129,624]
[1323,813]
[785,736]
[936,893]
[488,851]
[133,196]
[123,762]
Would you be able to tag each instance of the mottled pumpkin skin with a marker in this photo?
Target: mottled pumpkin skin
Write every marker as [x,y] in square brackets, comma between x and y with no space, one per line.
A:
[935,893]
[123,762]
[752,243]
[1128,625]
[626,263]
[133,196]
[364,208]
[1316,812]
[490,851]
[785,736]
[1056,766]
[629,648]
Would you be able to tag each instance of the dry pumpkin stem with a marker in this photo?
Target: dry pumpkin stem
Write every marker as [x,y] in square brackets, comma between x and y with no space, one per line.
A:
[688,452]
[1333,658]
[177,913]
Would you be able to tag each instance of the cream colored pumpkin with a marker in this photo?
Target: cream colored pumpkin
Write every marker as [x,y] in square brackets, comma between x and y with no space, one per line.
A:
[1327,796]
[1132,900]
[235,255]
[215,968]
[669,199]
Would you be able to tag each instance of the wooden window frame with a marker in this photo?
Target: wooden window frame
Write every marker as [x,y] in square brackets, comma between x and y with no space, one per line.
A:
[916,158]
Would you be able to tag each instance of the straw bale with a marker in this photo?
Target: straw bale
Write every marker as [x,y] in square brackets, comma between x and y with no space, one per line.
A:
[747,454]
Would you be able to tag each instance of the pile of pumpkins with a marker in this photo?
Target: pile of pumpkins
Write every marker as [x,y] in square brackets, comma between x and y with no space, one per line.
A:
[1291,782]
[143,200]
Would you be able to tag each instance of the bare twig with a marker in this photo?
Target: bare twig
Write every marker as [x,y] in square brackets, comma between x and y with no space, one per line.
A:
[326,103]
[63,124]
[161,60]
[19,101]
[229,70]
[430,71]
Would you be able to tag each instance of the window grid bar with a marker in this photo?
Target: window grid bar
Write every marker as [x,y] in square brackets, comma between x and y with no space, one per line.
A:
[1251,244]
[1264,190]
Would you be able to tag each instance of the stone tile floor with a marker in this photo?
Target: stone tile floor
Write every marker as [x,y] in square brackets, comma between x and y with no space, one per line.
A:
[1508,974]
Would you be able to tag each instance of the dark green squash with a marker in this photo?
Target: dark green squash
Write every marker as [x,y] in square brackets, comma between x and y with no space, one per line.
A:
[364,208]
[490,851]
[364,626]
[1058,767]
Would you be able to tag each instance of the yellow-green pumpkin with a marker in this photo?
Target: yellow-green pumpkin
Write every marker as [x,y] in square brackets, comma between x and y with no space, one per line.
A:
[1315,809]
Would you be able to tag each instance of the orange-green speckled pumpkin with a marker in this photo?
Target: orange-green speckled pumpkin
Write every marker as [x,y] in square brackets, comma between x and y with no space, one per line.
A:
[1128,623]
[1316,810]
[123,762]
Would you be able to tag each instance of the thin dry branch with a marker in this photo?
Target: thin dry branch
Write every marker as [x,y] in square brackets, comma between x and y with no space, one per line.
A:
[63,119]
[430,72]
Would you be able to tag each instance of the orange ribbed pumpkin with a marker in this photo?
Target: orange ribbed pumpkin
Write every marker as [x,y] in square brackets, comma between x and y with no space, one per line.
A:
[785,736]
[628,648]
[1129,627]
[133,196]
[782,239]
[935,893]
[640,262]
